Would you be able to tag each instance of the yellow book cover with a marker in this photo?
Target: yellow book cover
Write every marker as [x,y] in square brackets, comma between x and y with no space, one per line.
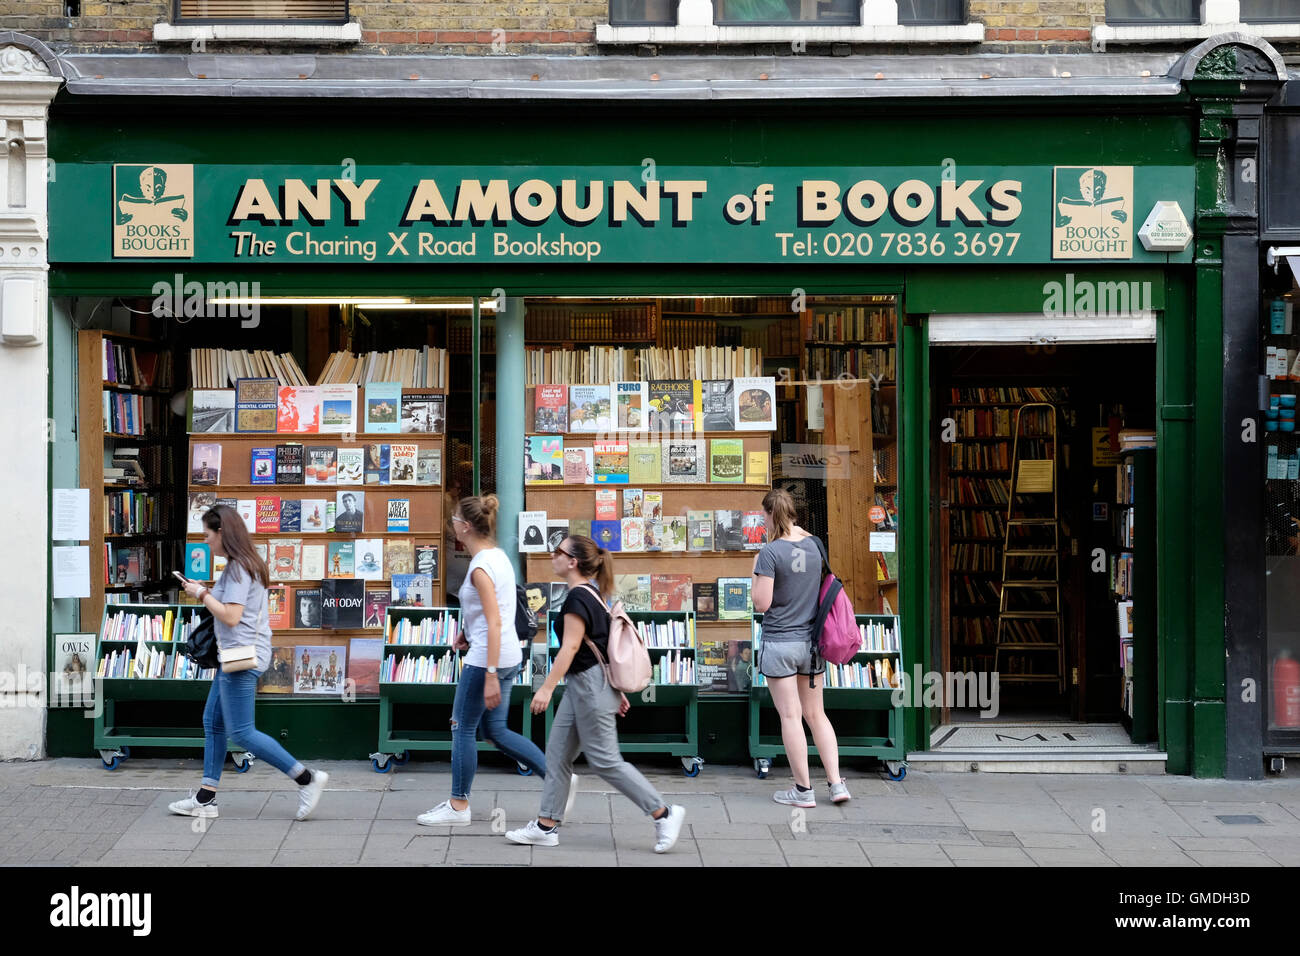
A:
[698,404]
[756,468]
[167,626]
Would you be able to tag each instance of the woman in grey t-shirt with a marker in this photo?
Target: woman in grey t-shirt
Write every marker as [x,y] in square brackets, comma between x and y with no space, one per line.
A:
[787,583]
[238,606]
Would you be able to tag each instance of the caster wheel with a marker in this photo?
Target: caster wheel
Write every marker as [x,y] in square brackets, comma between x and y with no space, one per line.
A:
[897,775]
[243,767]
[385,767]
[693,771]
[402,759]
[762,767]
[523,771]
[112,764]
[126,752]
[691,766]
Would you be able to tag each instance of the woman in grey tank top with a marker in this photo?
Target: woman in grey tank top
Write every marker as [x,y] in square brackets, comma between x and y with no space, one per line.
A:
[787,582]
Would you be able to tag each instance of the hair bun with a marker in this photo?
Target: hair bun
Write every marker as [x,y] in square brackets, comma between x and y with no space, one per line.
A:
[491,504]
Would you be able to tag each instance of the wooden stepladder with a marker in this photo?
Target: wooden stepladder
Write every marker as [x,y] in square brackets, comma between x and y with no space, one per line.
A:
[1029,608]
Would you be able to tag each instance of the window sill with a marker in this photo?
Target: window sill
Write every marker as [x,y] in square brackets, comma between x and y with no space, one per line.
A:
[260,32]
[1103,33]
[808,32]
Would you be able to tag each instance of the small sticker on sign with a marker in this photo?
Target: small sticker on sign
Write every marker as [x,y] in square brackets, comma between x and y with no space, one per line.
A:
[876,514]
[883,541]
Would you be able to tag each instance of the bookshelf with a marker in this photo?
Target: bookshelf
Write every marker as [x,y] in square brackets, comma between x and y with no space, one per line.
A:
[417,686]
[1132,584]
[375,587]
[671,637]
[860,704]
[124,424]
[138,710]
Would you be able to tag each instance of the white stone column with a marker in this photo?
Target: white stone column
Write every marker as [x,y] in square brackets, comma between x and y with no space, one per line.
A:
[27,85]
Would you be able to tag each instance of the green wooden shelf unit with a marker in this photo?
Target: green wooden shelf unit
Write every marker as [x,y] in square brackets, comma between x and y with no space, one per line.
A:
[860,728]
[684,739]
[114,738]
[397,738]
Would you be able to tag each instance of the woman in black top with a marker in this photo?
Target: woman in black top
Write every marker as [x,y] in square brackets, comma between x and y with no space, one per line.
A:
[585,719]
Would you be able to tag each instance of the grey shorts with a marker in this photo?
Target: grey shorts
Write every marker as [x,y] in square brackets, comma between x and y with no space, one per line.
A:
[787,658]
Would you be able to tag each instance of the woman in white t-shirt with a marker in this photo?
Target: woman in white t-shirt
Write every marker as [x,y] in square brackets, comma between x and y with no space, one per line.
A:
[487,616]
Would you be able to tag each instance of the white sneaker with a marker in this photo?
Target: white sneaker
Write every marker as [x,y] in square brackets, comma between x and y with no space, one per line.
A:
[190,807]
[309,794]
[444,815]
[573,796]
[668,827]
[533,835]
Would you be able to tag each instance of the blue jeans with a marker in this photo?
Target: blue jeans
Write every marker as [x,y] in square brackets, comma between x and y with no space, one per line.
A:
[468,711]
[229,712]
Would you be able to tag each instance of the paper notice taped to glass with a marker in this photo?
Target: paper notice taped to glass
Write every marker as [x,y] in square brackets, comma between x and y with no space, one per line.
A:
[883,541]
[71,571]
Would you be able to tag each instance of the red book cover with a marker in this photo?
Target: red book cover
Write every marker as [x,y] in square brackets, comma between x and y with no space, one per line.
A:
[551,409]
[607,504]
[268,515]
[671,592]
[277,606]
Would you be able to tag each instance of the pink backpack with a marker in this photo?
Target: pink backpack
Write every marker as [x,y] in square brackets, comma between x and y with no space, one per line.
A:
[836,637]
[628,668]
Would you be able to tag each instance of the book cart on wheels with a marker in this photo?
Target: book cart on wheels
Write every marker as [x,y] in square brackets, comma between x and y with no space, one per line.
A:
[427,673]
[861,737]
[148,721]
[670,638]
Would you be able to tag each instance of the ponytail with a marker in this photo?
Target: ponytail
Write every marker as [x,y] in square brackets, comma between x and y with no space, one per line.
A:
[594,562]
[481,514]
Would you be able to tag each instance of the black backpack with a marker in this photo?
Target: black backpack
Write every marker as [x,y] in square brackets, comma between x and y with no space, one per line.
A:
[525,619]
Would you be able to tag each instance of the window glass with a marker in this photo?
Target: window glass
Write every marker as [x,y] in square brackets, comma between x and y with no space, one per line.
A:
[751,12]
[921,12]
[642,12]
[1153,11]
[1270,11]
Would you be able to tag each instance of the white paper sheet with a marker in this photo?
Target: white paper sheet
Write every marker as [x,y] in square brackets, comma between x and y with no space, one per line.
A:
[71,521]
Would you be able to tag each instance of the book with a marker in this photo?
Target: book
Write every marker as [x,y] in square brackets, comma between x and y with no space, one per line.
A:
[608,534]
[756,468]
[255,404]
[399,514]
[210,410]
[428,466]
[671,592]
[426,560]
[306,607]
[632,535]
[278,614]
[716,405]
[676,536]
[711,661]
[377,600]
[654,535]
[700,525]
[298,410]
[734,599]
[377,464]
[383,407]
[644,463]
[756,404]
[350,512]
[206,466]
[579,466]
[753,527]
[532,532]
[278,678]
[412,590]
[727,459]
[341,559]
[322,465]
[342,603]
[611,462]
[684,461]
[579,527]
[559,591]
[705,594]
[727,535]
[364,657]
[537,597]
[289,464]
[268,514]
[672,406]
[369,559]
[351,466]
[200,503]
[291,515]
[247,509]
[338,408]
[606,504]
[399,556]
[630,412]
[740,667]
[417,413]
[589,408]
[543,460]
[313,562]
[633,590]
[259,548]
[320,670]
[632,498]
[285,557]
[198,561]
[261,466]
[402,462]
[551,409]
[313,515]
[557,529]
[652,506]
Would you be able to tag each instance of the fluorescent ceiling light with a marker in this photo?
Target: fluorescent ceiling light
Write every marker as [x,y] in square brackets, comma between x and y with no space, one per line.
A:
[372,302]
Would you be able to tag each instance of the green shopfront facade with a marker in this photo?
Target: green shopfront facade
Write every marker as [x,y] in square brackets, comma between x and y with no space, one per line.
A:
[703,154]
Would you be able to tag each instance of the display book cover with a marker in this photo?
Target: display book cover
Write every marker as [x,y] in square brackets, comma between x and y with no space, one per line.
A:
[705,594]
[342,602]
[411,590]
[734,600]
[611,462]
[423,412]
[544,460]
[589,408]
[671,405]
[608,534]
[551,409]
[289,464]
[532,532]
[383,407]
[319,669]
[261,466]
[256,401]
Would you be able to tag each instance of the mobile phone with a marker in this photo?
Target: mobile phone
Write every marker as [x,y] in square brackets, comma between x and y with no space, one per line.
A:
[178,576]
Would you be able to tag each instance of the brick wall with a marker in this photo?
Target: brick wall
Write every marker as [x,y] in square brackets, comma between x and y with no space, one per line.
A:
[1032,26]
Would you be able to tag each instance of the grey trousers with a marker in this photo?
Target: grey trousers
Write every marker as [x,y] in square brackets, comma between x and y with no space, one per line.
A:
[585,722]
